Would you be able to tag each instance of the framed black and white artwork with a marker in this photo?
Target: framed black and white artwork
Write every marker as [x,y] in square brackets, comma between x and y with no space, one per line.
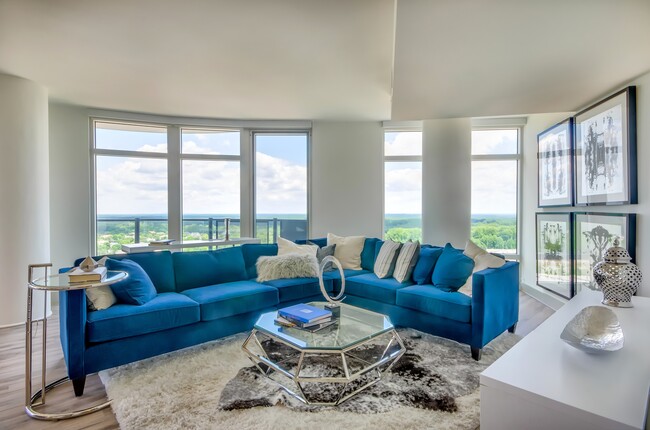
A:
[594,234]
[554,269]
[554,160]
[605,151]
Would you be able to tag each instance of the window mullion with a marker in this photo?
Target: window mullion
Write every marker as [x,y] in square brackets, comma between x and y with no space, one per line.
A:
[174,183]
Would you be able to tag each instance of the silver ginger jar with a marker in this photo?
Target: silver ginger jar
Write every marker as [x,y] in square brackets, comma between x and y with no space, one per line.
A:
[617,277]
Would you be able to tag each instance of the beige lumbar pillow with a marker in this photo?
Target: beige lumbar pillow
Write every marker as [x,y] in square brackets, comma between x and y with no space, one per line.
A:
[288,247]
[101,297]
[482,260]
[348,250]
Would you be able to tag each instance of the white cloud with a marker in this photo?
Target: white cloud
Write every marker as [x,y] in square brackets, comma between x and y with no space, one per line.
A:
[139,186]
[405,143]
[403,188]
[494,187]
[131,186]
[281,186]
[494,141]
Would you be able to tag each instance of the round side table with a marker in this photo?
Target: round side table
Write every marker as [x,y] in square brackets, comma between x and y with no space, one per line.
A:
[59,282]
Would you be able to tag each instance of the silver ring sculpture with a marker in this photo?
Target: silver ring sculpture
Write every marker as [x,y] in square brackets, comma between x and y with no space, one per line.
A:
[333,300]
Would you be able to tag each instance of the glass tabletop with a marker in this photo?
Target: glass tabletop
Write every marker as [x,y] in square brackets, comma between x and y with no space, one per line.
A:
[353,326]
[61,282]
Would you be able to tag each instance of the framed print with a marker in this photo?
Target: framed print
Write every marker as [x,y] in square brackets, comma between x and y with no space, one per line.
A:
[605,151]
[555,175]
[554,252]
[594,234]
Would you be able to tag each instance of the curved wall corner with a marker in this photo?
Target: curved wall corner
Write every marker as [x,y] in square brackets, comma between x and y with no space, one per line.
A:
[24,194]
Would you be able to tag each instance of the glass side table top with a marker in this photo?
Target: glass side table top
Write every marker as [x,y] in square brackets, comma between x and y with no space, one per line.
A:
[353,326]
[61,282]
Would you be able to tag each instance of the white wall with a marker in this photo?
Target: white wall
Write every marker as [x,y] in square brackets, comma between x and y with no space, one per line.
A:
[446,181]
[347,178]
[24,193]
[538,123]
[69,184]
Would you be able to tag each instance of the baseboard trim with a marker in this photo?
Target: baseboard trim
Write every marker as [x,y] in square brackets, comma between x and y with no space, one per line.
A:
[544,297]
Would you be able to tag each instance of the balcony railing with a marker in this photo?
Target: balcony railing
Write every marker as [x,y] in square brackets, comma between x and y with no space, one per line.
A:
[145,229]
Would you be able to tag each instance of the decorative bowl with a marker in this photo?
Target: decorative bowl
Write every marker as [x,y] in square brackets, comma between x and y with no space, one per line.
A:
[595,330]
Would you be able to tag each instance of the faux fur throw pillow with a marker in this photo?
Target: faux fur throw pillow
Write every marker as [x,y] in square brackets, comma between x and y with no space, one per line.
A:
[286,266]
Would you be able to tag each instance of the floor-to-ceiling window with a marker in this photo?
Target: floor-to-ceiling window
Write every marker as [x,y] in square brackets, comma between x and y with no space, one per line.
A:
[403,185]
[211,172]
[495,189]
[281,185]
[159,179]
[130,163]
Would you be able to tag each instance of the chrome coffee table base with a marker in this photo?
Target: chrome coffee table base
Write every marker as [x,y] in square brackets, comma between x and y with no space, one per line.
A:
[377,367]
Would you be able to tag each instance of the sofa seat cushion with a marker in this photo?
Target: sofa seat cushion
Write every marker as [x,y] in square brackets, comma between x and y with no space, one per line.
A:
[165,311]
[348,273]
[369,286]
[431,300]
[298,288]
[232,298]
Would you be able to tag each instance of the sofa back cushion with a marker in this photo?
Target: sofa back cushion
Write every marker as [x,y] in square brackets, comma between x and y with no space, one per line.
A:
[368,254]
[425,264]
[320,241]
[253,251]
[158,265]
[203,268]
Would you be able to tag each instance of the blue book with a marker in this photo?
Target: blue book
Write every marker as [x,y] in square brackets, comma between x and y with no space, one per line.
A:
[304,313]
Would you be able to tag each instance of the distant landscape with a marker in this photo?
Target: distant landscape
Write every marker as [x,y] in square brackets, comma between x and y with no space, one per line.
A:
[493,232]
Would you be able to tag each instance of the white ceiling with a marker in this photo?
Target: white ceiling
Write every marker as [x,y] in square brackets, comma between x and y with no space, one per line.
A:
[318,59]
[468,58]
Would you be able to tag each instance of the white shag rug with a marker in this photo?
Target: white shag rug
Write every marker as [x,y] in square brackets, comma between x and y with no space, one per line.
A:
[182,390]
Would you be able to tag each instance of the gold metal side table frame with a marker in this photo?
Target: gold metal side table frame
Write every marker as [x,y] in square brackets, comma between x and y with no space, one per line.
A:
[51,283]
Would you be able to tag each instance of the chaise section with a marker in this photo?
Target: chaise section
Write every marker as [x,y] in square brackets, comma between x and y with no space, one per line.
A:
[232,298]
[298,288]
[165,311]
[369,286]
[431,300]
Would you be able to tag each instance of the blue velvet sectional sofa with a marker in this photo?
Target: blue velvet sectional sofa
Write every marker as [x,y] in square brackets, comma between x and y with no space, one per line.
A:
[202,296]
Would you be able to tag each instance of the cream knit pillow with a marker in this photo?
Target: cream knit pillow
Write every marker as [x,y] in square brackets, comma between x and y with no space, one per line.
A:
[348,250]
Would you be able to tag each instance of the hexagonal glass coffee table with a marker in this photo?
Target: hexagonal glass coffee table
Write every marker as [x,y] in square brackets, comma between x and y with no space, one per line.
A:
[329,366]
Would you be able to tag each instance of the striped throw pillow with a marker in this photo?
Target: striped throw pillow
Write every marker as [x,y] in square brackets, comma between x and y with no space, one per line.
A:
[408,257]
[385,263]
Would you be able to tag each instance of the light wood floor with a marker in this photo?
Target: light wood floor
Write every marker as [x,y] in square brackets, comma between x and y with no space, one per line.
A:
[12,375]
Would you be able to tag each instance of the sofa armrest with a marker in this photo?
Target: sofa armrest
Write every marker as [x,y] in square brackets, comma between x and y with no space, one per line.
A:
[495,302]
[72,321]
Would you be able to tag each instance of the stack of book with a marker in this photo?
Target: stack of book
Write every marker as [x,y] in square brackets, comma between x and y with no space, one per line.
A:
[305,317]
[78,275]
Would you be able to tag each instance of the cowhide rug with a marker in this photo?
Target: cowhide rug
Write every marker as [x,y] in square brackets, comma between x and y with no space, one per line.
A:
[209,386]
[430,375]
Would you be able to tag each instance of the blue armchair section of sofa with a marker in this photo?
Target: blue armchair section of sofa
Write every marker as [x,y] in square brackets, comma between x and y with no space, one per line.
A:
[206,295]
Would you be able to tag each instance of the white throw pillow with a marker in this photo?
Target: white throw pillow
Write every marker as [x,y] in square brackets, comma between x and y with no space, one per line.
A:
[288,247]
[385,264]
[100,297]
[482,260]
[348,250]
[408,257]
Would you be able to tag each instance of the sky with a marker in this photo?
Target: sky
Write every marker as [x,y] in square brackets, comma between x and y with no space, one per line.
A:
[139,185]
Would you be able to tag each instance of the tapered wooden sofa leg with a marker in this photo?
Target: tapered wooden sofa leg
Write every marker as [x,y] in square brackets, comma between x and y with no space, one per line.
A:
[476,353]
[513,328]
[78,384]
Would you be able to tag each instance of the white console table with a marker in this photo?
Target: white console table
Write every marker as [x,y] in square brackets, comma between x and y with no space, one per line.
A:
[181,244]
[544,383]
